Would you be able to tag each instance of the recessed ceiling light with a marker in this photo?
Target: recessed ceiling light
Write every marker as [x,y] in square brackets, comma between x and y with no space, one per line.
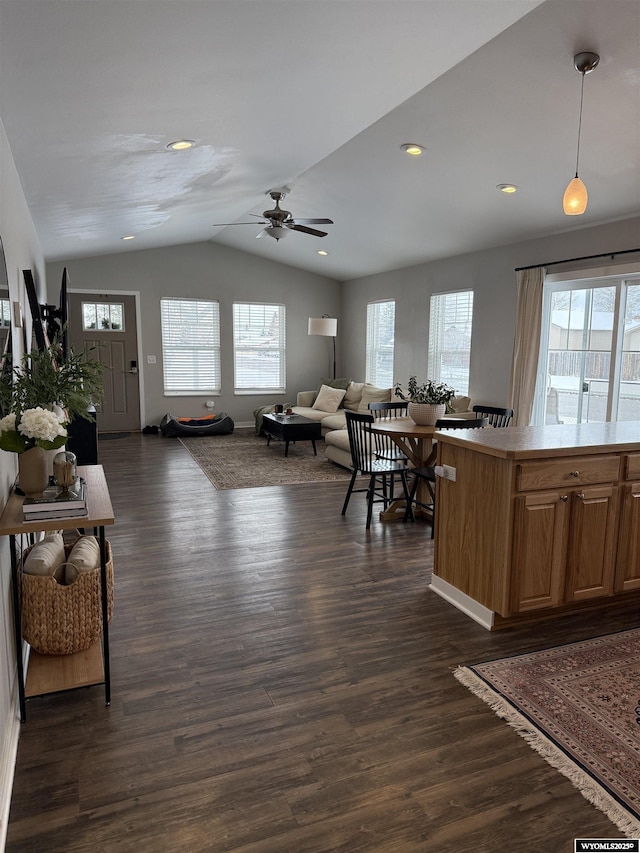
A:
[412,148]
[181,144]
[128,237]
[507,188]
[322,252]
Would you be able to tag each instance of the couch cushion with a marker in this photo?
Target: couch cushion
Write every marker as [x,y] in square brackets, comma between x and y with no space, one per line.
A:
[337,421]
[329,399]
[353,396]
[338,438]
[308,412]
[371,394]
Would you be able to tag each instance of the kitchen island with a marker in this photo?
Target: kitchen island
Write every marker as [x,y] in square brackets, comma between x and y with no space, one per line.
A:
[539,521]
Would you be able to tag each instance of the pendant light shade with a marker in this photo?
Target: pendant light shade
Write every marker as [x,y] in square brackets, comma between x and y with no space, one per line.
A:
[575,197]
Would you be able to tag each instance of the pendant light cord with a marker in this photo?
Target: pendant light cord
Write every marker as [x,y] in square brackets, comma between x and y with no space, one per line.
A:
[580,121]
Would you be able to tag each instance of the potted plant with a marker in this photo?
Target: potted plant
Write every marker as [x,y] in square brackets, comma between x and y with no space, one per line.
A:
[39,397]
[427,402]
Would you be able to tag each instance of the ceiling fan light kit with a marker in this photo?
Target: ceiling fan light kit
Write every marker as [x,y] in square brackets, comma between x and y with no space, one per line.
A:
[279,222]
[574,202]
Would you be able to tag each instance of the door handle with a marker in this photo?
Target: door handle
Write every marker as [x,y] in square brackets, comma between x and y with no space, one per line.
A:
[134,367]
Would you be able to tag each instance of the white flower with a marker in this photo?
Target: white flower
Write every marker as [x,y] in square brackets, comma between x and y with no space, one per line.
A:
[8,422]
[40,424]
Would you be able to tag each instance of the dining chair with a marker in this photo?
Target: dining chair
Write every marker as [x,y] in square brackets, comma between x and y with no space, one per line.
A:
[497,417]
[386,448]
[365,461]
[427,474]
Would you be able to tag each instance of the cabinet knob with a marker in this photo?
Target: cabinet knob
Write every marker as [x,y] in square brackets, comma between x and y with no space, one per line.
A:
[575,473]
[581,495]
[564,498]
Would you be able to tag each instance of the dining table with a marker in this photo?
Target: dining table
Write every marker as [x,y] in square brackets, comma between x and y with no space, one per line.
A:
[416,442]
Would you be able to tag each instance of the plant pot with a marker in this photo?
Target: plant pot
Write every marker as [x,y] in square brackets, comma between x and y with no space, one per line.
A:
[425,414]
[33,471]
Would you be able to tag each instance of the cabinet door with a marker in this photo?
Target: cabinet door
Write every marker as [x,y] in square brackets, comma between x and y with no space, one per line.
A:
[628,564]
[539,550]
[592,543]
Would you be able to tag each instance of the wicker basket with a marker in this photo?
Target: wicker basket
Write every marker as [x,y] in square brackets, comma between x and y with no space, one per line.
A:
[62,620]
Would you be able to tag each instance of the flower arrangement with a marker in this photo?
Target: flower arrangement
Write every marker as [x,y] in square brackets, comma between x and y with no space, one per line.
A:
[36,427]
[436,393]
[44,393]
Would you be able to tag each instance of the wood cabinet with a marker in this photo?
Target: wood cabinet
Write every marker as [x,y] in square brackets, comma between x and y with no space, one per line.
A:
[538,518]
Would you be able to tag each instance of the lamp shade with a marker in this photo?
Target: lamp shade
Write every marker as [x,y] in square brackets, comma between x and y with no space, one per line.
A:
[327,326]
[278,232]
[575,198]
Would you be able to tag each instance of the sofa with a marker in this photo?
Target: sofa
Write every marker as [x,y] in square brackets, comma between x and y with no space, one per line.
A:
[357,396]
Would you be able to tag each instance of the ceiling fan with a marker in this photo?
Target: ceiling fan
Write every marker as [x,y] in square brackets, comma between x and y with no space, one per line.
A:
[279,222]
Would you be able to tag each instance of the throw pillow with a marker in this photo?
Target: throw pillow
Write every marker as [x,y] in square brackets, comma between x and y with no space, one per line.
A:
[460,404]
[353,396]
[84,557]
[371,394]
[47,557]
[336,383]
[328,399]
[331,383]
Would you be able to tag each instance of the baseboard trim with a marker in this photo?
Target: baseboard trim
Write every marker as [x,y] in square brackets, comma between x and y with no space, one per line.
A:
[476,611]
[10,755]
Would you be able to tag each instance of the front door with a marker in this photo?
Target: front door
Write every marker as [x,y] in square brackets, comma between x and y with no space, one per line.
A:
[107,324]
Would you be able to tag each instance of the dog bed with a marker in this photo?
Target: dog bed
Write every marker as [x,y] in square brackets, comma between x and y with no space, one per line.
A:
[220,424]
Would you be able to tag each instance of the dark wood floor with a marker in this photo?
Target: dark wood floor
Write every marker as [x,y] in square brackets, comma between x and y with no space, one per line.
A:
[282,683]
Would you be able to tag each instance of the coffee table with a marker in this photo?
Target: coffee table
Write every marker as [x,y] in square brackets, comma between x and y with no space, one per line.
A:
[290,428]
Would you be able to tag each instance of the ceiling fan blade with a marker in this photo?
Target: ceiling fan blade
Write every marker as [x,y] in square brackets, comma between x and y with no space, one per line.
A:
[306,230]
[298,221]
[226,224]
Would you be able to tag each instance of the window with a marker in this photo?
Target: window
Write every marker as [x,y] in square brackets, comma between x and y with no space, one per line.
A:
[5,313]
[190,346]
[106,317]
[258,348]
[450,321]
[381,318]
[589,367]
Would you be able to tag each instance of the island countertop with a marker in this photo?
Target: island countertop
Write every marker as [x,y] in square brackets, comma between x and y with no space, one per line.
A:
[531,442]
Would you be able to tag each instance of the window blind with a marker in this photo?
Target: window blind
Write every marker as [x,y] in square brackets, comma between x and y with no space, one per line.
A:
[190,346]
[259,348]
[450,324]
[381,318]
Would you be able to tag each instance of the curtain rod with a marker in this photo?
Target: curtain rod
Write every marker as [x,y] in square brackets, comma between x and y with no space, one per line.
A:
[584,258]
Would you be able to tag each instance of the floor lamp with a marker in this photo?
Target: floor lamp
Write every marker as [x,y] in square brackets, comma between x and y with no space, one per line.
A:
[327,327]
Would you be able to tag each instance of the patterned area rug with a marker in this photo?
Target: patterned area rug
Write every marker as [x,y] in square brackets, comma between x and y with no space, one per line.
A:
[242,460]
[579,707]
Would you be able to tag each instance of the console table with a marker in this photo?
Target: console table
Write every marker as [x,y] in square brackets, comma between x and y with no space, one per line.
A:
[54,673]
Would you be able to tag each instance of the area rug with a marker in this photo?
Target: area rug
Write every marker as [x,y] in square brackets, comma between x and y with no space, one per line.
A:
[579,707]
[242,460]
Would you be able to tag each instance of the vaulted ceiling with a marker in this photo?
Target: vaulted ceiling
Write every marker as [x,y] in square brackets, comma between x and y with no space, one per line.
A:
[318,96]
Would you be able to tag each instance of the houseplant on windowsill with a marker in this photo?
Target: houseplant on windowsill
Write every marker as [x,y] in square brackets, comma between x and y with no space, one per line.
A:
[39,398]
[427,402]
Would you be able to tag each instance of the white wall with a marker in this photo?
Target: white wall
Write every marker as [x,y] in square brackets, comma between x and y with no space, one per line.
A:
[215,272]
[490,274]
[22,251]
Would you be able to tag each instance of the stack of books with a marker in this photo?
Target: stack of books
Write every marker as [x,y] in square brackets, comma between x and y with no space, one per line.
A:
[57,503]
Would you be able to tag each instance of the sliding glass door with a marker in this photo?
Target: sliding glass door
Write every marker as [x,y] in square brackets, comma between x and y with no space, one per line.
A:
[589,368]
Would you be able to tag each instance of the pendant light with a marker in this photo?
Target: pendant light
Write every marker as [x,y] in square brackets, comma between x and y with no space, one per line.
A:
[574,202]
